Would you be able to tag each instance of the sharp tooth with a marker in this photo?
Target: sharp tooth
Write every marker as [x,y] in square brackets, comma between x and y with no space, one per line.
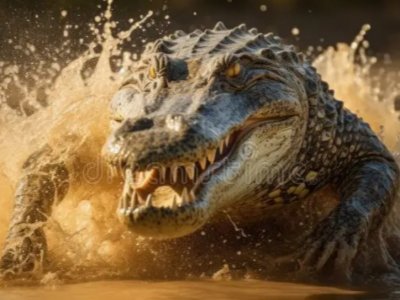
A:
[120,170]
[162,171]
[129,176]
[127,187]
[184,196]
[174,171]
[203,162]
[190,170]
[192,196]
[221,146]
[123,203]
[149,201]
[211,155]
[227,139]
[134,201]
[174,203]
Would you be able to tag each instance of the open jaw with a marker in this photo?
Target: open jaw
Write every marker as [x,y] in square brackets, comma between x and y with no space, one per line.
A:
[167,201]
[164,201]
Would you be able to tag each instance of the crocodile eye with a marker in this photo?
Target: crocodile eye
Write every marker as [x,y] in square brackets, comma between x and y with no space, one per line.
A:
[152,73]
[233,70]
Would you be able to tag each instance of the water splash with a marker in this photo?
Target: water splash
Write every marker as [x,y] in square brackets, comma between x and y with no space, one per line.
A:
[370,93]
[84,236]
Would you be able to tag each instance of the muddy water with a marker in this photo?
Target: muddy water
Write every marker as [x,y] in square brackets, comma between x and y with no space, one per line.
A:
[124,290]
[85,240]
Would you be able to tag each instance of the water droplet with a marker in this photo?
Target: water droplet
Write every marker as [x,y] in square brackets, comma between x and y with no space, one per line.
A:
[295,31]
[366,27]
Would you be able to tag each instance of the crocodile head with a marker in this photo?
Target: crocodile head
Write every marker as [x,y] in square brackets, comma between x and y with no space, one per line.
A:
[205,122]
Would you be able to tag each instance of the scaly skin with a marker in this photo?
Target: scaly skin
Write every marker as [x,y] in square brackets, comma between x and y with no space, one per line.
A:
[257,117]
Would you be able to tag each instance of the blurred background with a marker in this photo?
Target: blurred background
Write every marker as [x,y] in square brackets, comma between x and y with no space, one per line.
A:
[320,22]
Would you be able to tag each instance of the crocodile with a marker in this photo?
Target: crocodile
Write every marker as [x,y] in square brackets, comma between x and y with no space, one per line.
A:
[223,120]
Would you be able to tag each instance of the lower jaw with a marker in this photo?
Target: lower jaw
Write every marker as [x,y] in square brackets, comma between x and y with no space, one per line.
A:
[163,223]
[160,220]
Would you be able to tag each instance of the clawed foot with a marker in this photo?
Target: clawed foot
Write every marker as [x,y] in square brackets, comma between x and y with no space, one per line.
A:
[24,252]
[333,245]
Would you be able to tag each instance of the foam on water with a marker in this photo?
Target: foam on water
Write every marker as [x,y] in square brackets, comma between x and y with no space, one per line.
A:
[84,235]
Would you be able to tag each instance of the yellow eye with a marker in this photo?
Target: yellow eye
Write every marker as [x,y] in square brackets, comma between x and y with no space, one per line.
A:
[152,73]
[233,70]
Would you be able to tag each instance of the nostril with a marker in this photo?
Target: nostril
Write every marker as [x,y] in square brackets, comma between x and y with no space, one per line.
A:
[139,125]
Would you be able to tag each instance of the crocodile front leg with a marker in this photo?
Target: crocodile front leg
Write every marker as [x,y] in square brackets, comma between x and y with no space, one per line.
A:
[44,183]
[367,192]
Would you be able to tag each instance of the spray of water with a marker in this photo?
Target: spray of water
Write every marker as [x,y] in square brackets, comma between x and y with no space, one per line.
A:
[84,236]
